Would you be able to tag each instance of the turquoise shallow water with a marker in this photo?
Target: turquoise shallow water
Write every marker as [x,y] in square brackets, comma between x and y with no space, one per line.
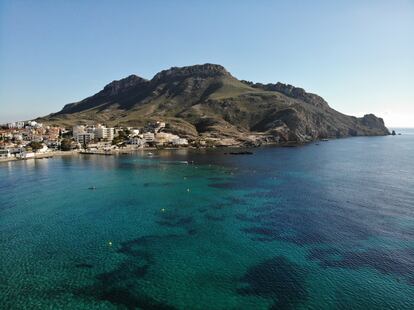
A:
[326,226]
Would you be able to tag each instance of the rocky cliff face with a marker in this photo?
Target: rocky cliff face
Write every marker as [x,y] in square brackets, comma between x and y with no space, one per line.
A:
[124,85]
[207,102]
[197,71]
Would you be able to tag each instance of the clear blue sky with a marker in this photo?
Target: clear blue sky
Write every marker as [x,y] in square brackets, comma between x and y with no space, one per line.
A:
[358,55]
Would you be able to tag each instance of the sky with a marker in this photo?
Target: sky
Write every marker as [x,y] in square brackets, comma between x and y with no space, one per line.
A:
[357,55]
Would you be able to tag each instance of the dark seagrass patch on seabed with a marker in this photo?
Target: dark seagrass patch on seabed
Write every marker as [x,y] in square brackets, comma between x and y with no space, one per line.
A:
[246,218]
[397,262]
[84,265]
[271,224]
[267,207]
[270,233]
[216,179]
[322,253]
[215,218]
[5,205]
[124,297]
[175,221]
[121,285]
[135,246]
[277,279]
[236,200]
[263,194]
[226,185]
[292,222]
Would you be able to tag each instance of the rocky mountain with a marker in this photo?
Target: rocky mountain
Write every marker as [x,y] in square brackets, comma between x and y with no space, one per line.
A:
[207,102]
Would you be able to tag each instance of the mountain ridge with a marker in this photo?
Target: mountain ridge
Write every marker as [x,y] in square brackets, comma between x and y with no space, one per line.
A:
[206,101]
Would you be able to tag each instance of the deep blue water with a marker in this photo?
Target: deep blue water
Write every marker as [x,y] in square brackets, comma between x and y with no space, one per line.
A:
[328,226]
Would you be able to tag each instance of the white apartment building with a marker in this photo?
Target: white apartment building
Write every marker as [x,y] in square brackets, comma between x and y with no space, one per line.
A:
[5,153]
[180,142]
[84,138]
[104,133]
[25,155]
[44,149]
[18,125]
[148,137]
[90,129]
[78,129]
[35,124]
[136,141]
[165,137]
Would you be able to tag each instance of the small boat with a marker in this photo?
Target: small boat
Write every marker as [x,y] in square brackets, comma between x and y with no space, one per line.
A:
[325,140]
[92,188]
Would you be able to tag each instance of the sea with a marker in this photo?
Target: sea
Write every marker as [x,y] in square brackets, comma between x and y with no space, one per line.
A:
[327,225]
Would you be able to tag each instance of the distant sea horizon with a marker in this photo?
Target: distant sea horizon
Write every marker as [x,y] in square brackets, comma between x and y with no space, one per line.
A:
[402,129]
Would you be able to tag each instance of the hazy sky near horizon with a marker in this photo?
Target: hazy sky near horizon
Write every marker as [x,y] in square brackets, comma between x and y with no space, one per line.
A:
[358,55]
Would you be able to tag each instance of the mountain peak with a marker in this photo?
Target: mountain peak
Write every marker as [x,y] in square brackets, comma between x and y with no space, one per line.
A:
[122,85]
[205,70]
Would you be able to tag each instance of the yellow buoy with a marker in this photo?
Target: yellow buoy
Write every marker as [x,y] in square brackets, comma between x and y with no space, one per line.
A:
[163,210]
[110,243]
[188,190]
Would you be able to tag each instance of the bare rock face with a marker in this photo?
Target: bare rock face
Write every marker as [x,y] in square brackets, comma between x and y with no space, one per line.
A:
[207,102]
[124,85]
[292,92]
[203,71]
[371,121]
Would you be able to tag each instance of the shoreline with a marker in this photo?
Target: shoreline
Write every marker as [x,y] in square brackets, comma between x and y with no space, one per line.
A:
[131,151]
[41,156]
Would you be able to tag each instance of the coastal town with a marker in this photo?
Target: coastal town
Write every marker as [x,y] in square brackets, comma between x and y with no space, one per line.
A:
[30,139]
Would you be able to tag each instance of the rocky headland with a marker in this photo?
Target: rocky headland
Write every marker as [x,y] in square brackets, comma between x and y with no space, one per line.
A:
[206,103]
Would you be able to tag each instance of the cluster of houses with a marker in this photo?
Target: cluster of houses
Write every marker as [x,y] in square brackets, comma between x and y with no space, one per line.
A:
[19,139]
[16,138]
[152,135]
[84,135]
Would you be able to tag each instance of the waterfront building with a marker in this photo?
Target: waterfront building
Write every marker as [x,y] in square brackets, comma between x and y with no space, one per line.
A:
[44,149]
[148,137]
[35,124]
[17,125]
[5,153]
[84,138]
[136,141]
[78,129]
[162,138]
[180,142]
[104,133]
[90,129]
